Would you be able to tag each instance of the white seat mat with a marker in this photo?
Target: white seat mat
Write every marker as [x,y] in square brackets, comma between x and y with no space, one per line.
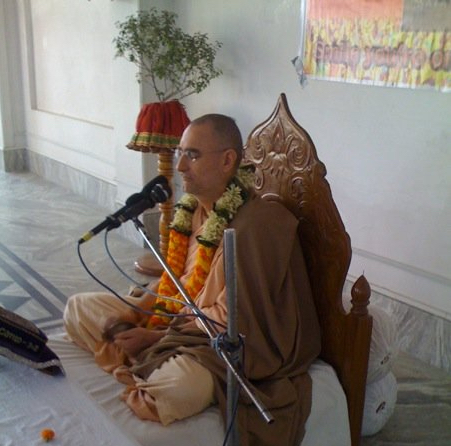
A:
[327,424]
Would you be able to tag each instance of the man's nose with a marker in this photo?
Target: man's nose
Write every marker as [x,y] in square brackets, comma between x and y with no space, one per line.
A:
[181,164]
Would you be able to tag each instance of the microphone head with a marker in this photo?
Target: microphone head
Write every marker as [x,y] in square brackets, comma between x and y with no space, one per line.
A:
[157,190]
[133,199]
[161,192]
[147,189]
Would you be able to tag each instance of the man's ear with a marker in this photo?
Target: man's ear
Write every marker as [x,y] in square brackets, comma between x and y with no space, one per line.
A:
[229,160]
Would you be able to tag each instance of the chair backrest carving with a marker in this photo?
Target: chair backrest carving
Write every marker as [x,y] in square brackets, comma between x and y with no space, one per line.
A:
[288,170]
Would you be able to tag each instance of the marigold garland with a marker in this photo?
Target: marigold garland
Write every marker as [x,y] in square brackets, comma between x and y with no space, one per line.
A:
[219,218]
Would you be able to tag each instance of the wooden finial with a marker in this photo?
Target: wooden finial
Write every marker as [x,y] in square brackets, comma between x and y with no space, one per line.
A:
[360,293]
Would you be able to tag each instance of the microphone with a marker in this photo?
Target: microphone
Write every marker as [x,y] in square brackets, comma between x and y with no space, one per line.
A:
[155,191]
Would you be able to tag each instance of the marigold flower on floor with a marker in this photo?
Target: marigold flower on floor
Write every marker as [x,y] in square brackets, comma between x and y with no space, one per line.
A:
[47,434]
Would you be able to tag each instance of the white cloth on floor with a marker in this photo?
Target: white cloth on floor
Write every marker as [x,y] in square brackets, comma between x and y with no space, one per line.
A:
[327,424]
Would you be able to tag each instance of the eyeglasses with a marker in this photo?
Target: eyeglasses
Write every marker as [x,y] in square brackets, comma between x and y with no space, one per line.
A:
[193,154]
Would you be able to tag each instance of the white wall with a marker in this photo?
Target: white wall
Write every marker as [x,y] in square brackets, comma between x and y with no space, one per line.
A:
[387,150]
[81,103]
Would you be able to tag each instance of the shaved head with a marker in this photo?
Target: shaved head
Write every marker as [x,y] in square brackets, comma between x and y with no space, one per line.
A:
[225,130]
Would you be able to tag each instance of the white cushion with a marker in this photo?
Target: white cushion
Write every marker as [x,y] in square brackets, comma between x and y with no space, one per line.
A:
[384,345]
[380,401]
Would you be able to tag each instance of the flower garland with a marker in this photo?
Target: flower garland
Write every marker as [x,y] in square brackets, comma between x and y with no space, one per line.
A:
[180,229]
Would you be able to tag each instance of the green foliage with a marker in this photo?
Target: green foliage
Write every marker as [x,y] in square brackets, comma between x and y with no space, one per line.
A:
[176,64]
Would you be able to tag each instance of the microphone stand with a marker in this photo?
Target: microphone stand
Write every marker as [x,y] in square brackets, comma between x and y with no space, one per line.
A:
[233,375]
[232,333]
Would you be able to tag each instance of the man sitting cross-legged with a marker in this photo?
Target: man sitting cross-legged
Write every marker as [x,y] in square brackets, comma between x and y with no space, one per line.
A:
[171,370]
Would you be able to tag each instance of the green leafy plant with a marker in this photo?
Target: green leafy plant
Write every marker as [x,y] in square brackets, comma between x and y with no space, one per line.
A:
[176,64]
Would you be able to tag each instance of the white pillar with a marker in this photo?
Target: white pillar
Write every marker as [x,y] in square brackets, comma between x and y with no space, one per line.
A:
[12,135]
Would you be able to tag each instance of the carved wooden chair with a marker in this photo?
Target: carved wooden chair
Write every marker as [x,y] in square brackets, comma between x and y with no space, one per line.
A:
[288,170]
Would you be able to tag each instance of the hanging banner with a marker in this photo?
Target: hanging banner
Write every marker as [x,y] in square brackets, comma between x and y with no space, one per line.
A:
[397,43]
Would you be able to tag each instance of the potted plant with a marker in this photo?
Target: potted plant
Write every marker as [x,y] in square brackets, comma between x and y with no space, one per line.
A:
[175,64]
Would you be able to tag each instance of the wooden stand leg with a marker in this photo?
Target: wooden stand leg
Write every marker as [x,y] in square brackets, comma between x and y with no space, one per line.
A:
[148,264]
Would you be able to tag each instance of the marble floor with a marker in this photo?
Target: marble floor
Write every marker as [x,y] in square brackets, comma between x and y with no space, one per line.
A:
[39,268]
[41,224]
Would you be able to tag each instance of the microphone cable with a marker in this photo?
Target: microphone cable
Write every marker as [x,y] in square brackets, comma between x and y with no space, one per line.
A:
[202,316]
[135,282]
[129,304]
[117,295]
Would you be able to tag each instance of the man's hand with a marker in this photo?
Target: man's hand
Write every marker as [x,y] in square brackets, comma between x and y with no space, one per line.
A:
[135,340]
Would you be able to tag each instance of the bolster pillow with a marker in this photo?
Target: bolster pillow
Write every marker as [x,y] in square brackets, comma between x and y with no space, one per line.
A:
[22,341]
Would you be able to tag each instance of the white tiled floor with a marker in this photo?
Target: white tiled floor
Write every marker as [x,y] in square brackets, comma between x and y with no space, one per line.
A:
[39,265]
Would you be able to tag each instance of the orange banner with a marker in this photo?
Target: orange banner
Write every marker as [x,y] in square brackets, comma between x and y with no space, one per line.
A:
[403,43]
